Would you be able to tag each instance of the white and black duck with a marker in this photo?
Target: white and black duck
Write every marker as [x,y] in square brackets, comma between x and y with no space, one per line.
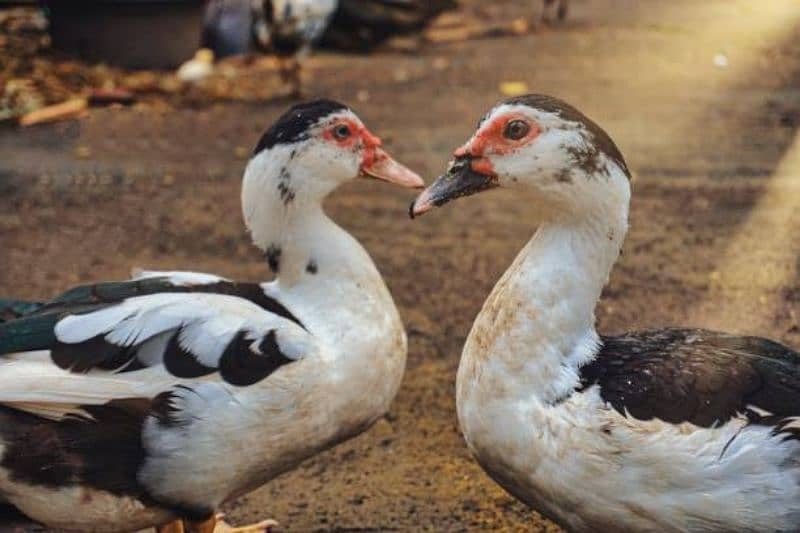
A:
[664,430]
[290,28]
[154,401]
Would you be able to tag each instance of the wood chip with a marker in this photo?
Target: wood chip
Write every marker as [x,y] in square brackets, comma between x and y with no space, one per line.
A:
[63,111]
[513,88]
[102,97]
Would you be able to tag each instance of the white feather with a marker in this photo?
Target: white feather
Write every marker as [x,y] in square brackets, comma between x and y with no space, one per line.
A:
[37,382]
[178,277]
[80,328]
[207,322]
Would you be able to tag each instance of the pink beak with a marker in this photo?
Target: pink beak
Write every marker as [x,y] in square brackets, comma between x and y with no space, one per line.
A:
[380,165]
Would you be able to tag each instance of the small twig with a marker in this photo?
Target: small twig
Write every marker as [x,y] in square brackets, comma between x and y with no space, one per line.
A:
[52,113]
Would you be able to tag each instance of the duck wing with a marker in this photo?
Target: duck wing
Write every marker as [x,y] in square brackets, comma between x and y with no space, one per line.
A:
[130,338]
[106,377]
[11,309]
[698,376]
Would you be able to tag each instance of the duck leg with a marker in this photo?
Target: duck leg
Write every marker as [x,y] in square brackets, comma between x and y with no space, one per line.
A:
[563,8]
[294,78]
[554,10]
[216,524]
[289,69]
[545,8]
[297,70]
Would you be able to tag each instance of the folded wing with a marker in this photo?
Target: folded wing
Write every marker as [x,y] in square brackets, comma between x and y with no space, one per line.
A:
[103,342]
[698,376]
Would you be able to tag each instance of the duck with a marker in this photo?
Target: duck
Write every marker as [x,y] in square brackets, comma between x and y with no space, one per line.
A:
[151,402]
[674,429]
[228,27]
[290,28]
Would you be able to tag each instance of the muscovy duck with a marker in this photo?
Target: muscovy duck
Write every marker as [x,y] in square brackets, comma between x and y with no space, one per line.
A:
[290,28]
[152,402]
[662,430]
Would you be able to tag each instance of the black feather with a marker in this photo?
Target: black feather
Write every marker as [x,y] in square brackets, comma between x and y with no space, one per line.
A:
[182,363]
[87,298]
[240,366]
[697,376]
[166,409]
[35,331]
[273,255]
[312,267]
[294,125]
[93,353]
[104,453]
[11,309]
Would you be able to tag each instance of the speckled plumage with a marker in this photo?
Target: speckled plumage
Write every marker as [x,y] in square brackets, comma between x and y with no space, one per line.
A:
[294,25]
[664,430]
[698,376]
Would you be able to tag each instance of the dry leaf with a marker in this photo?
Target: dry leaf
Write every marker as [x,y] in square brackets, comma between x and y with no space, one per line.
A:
[514,88]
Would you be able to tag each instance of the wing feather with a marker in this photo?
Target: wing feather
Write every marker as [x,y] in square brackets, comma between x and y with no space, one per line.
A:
[698,376]
[203,327]
[154,328]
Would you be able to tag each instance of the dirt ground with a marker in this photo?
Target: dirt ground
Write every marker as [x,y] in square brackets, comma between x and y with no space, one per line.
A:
[703,99]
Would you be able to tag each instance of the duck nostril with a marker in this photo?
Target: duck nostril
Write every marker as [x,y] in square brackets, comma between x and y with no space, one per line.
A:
[370,140]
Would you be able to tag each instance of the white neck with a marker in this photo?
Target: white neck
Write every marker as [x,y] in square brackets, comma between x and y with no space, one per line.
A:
[282,206]
[303,244]
[317,264]
[537,327]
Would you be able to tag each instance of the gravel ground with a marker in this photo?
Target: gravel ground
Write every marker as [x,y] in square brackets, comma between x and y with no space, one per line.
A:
[703,98]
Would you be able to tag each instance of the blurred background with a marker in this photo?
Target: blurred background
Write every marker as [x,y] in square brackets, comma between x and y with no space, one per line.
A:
[125,127]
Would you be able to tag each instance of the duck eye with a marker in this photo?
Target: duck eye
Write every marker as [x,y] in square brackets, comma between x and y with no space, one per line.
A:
[516,130]
[342,131]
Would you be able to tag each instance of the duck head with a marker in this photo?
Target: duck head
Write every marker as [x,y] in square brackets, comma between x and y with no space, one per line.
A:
[541,147]
[309,151]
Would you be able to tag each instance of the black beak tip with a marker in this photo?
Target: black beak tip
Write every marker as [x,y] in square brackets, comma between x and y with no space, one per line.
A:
[411,210]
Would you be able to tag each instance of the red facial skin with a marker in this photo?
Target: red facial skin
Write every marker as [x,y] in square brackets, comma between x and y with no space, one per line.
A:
[358,132]
[375,162]
[490,140]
